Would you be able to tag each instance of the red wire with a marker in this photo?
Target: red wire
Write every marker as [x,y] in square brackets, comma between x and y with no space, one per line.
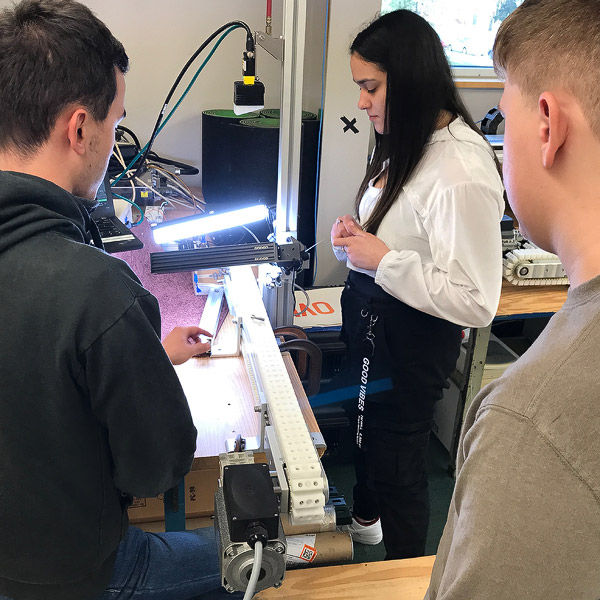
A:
[269,7]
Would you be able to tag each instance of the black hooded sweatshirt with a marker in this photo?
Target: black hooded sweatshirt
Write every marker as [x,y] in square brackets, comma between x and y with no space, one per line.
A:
[91,409]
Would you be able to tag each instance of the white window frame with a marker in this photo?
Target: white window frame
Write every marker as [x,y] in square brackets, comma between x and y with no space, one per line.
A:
[474,73]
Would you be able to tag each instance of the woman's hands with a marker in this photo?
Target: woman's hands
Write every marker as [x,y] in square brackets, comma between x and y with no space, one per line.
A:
[364,250]
[341,227]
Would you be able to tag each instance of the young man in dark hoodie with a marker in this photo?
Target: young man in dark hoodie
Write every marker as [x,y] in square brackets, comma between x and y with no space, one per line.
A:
[79,434]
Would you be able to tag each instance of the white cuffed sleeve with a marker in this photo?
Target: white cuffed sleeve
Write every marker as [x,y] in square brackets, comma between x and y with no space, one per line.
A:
[461,282]
[339,253]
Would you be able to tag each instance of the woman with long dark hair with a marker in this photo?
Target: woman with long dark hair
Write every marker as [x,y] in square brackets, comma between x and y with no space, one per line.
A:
[424,252]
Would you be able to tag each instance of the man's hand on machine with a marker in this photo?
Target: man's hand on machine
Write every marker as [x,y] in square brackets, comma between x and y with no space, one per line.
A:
[184,342]
[364,250]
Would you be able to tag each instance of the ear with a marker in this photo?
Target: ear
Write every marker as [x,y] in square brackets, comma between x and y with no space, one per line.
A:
[553,127]
[77,130]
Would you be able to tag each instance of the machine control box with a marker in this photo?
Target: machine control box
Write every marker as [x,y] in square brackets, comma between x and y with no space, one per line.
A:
[250,498]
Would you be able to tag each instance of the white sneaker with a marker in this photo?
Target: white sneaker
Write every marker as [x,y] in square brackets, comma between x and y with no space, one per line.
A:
[365,534]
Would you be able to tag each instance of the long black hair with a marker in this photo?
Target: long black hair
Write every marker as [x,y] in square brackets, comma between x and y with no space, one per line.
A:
[419,87]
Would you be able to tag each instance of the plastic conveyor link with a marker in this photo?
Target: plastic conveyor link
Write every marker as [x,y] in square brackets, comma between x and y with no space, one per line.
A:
[303,468]
[533,266]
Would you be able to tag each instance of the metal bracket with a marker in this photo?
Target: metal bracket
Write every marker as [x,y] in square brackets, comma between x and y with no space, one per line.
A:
[470,383]
[210,321]
[220,351]
[276,462]
[212,310]
[318,440]
[251,444]
[274,46]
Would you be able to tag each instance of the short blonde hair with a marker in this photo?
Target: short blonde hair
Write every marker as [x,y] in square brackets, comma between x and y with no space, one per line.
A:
[549,43]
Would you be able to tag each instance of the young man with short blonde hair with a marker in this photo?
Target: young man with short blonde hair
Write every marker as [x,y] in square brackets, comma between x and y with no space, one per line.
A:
[524,521]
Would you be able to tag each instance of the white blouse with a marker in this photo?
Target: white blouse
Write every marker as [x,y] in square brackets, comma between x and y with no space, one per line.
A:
[443,231]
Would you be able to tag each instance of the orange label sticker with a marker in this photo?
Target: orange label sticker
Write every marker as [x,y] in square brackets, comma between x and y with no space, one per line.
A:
[308,553]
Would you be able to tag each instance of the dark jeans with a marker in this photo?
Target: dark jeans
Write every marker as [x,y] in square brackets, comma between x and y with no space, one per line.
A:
[400,359]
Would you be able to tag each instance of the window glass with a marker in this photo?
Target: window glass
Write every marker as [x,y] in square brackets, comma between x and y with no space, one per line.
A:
[467,28]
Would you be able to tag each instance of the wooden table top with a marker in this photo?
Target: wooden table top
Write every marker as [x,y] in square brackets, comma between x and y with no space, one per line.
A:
[528,300]
[406,579]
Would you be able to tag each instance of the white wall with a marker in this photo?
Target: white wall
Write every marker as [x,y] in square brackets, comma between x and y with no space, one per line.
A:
[313,59]
[343,154]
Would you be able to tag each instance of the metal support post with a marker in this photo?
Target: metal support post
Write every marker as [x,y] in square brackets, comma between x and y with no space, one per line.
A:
[290,125]
[470,383]
[174,501]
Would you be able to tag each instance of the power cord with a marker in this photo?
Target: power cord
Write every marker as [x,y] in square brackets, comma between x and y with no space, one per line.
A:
[134,205]
[256,536]
[296,286]
[256,567]
[182,167]
[122,129]
[180,186]
[251,233]
[182,189]
[231,26]
[119,156]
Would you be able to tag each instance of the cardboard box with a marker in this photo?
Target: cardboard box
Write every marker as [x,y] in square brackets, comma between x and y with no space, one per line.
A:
[200,488]
[323,311]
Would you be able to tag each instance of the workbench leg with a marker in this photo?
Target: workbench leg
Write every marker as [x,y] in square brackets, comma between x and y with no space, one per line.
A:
[174,501]
[470,384]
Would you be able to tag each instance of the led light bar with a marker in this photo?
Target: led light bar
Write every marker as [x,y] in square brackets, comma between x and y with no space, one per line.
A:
[189,227]
[287,256]
[212,258]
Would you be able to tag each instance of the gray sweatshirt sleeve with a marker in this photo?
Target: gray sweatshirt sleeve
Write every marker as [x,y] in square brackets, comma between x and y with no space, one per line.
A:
[522,522]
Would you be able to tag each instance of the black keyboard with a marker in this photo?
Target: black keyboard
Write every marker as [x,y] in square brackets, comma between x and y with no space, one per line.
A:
[107,228]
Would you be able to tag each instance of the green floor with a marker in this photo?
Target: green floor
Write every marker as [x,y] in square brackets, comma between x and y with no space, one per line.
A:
[340,472]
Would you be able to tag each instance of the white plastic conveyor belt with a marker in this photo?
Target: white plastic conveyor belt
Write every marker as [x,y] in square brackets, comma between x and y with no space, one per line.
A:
[302,464]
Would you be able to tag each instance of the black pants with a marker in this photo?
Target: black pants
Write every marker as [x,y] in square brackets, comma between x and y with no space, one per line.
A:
[399,359]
